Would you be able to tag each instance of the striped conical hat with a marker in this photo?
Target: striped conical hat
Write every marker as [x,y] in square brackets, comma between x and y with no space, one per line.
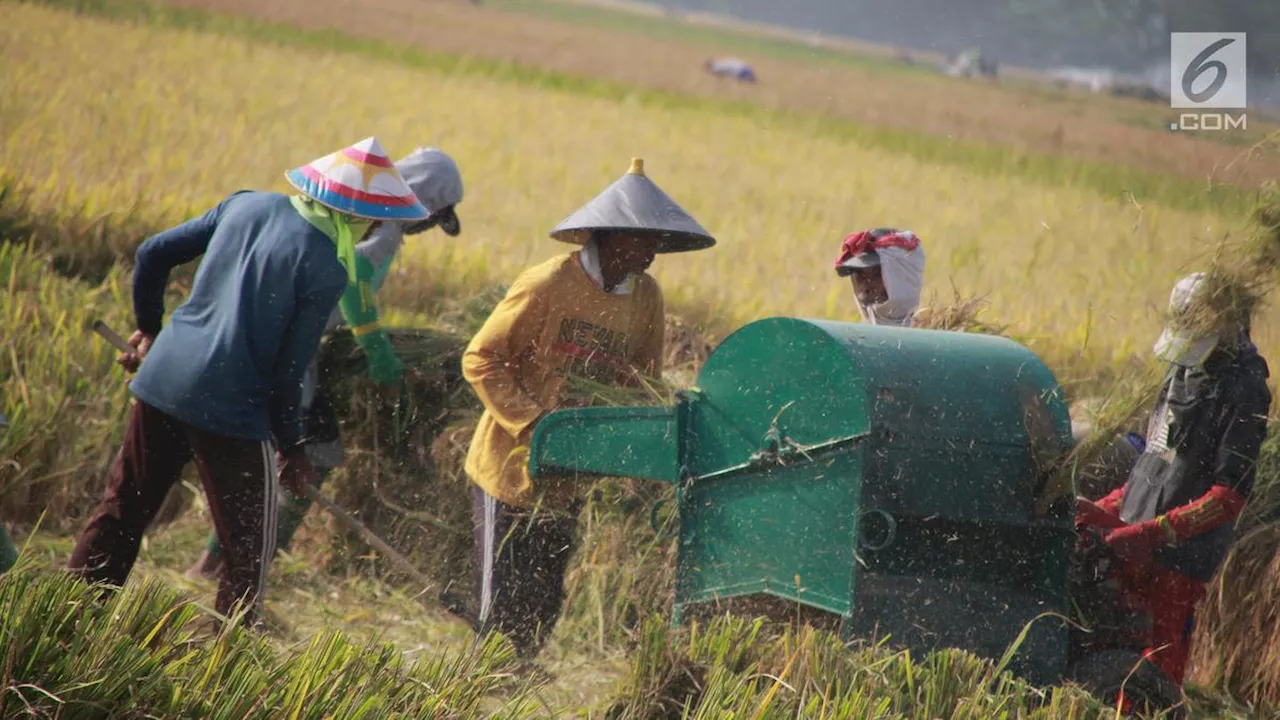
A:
[361,181]
[633,203]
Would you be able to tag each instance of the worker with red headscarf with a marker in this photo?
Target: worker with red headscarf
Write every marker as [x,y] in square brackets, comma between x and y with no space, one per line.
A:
[886,267]
[1176,513]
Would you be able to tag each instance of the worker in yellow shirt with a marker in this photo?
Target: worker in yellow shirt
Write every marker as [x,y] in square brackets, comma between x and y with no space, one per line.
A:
[592,313]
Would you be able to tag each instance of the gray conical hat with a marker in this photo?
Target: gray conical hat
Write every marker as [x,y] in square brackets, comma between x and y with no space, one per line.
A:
[634,203]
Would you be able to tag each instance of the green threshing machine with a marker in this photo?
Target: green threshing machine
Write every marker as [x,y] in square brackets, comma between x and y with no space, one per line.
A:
[897,481]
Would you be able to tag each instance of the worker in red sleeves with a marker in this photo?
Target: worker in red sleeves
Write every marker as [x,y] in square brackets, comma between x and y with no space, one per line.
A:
[1181,500]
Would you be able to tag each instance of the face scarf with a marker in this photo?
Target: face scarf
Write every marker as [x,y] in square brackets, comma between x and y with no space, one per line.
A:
[341,228]
[590,259]
[902,267]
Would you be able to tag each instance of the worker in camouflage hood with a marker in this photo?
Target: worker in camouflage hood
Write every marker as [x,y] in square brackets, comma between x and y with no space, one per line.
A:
[592,313]
[1180,502]
[886,268]
[222,382]
[435,180]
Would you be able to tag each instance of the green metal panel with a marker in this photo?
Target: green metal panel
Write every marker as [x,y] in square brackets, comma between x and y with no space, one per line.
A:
[635,442]
[758,513]
[787,531]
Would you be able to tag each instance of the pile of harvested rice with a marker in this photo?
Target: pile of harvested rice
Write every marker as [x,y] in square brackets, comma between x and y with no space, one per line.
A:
[960,315]
[403,471]
[389,478]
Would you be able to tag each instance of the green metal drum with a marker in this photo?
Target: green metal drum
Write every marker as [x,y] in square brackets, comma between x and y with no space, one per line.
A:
[895,479]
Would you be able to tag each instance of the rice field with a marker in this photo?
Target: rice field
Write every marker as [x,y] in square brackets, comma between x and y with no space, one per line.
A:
[171,121]
[583,39]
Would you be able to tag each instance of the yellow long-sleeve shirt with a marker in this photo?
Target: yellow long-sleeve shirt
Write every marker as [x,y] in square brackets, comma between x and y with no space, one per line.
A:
[554,322]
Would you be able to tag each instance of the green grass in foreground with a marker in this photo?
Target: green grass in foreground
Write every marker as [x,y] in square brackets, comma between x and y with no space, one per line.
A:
[147,652]
[150,652]
[1116,181]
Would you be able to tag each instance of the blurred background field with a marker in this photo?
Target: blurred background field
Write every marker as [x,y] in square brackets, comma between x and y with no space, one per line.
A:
[1076,269]
[1069,215]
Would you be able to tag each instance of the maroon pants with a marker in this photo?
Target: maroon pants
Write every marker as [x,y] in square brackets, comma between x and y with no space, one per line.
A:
[239,478]
[521,560]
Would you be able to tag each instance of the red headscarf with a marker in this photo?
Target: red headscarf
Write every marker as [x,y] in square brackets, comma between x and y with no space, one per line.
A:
[865,241]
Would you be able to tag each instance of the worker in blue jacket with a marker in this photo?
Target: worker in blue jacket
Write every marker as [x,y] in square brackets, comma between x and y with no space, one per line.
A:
[435,180]
[222,382]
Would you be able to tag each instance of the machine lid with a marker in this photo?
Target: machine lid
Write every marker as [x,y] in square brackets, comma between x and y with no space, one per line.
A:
[777,385]
[788,382]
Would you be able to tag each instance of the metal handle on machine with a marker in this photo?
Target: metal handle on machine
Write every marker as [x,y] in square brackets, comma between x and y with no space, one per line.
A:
[890,533]
[788,450]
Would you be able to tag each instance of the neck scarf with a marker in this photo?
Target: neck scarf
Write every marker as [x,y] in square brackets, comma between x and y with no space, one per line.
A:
[337,226]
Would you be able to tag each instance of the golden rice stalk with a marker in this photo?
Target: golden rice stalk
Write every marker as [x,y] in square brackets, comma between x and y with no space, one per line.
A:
[1239,277]
[1237,641]
[960,315]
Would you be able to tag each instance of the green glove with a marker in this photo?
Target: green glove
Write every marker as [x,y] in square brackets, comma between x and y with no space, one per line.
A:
[360,312]
[384,367]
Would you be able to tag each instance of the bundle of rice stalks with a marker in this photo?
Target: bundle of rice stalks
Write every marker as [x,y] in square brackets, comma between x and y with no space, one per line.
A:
[1236,645]
[1094,466]
[684,352]
[389,477]
[960,315]
[1241,276]
[642,390]
[624,568]
[685,349]
[1237,637]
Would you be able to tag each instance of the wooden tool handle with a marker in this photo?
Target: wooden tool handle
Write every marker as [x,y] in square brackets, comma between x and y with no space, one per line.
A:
[374,540]
[110,336]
